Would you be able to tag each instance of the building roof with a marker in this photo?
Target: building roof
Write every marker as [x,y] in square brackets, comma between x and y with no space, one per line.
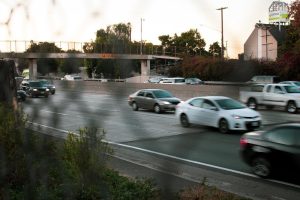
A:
[278,32]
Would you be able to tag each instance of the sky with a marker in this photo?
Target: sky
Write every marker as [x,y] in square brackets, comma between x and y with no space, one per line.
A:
[78,20]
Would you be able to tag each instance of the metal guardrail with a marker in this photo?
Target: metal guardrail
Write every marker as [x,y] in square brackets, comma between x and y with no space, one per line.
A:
[19,46]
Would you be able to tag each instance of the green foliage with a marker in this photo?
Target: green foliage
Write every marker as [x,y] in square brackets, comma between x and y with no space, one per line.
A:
[124,188]
[213,69]
[45,65]
[188,43]
[36,166]
[215,50]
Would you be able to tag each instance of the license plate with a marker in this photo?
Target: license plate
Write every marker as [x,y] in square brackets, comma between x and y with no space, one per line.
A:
[254,123]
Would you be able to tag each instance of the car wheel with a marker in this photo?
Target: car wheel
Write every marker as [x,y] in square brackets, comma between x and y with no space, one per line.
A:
[184,120]
[53,92]
[261,167]
[291,107]
[157,108]
[135,107]
[46,96]
[223,126]
[252,104]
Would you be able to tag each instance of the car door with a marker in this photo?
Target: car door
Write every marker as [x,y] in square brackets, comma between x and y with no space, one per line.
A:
[149,100]
[278,95]
[209,113]
[283,149]
[139,99]
[193,111]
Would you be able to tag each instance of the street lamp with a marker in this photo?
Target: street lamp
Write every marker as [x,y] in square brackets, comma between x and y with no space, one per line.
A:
[141,48]
[222,40]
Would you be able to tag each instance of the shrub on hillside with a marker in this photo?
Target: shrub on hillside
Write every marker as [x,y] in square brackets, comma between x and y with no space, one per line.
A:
[37,166]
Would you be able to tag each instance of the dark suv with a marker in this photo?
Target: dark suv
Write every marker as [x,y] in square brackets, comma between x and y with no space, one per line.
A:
[37,88]
[274,151]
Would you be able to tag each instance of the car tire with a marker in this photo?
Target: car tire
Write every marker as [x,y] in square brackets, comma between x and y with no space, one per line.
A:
[184,120]
[53,92]
[291,107]
[157,109]
[46,96]
[223,126]
[252,103]
[261,167]
[135,106]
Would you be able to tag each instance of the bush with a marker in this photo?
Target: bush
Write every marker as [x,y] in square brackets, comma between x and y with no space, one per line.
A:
[123,188]
[37,166]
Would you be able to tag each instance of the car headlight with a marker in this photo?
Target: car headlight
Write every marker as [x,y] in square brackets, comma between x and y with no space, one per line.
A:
[47,89]
[34,89]
[236,116]
[53,87]
[164,103]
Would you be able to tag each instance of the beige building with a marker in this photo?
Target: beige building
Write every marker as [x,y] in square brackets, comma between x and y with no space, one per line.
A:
[263,42]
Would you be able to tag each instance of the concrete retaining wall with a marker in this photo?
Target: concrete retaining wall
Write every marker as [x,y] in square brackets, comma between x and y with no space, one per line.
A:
[124,89]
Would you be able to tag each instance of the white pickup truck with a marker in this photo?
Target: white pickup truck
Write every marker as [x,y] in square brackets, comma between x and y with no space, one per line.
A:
[272,95]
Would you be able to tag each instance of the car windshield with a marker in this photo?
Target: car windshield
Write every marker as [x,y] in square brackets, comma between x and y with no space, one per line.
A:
[297,83]
[45,82]
[292,89]
[194,79]
[229,104]
[35,84]
[162,94]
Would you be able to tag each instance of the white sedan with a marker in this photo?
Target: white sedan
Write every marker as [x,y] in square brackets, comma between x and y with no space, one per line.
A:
[218,111]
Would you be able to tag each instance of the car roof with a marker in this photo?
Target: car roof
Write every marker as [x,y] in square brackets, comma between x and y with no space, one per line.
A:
[289,125]
[151,90]
[212,97]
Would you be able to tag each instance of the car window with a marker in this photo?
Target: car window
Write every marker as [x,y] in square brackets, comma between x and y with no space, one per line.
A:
[229,104]
[277,89]
[179,80]
[292,89]
[141,94]
[208,104]
[196,102]
[283,135]
[149,95]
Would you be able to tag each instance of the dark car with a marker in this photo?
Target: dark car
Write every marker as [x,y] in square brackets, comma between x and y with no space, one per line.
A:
[272,152]
[21,95]
[37,88]
[49,85]
[153,99]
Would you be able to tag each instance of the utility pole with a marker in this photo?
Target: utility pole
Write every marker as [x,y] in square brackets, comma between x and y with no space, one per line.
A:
[141,48]
[222,39]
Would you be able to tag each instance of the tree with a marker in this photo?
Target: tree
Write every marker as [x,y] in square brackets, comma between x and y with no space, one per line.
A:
[289,51]
[114,39]
[215,50]
[45,65]
[188,43]
[70,65]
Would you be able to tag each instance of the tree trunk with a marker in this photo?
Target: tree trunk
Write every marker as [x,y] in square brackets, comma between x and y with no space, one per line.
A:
[8,90]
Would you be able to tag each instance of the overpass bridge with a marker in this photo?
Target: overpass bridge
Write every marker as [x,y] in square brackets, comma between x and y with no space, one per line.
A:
[13,52]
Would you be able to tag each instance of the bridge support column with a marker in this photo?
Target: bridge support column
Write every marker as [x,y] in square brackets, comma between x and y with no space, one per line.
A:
[32,69]
[145,67]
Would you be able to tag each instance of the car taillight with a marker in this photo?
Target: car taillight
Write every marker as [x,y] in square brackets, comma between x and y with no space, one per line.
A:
[243,142]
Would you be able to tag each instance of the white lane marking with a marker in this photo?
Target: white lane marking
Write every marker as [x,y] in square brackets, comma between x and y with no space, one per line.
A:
[56,129]
[181,159]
